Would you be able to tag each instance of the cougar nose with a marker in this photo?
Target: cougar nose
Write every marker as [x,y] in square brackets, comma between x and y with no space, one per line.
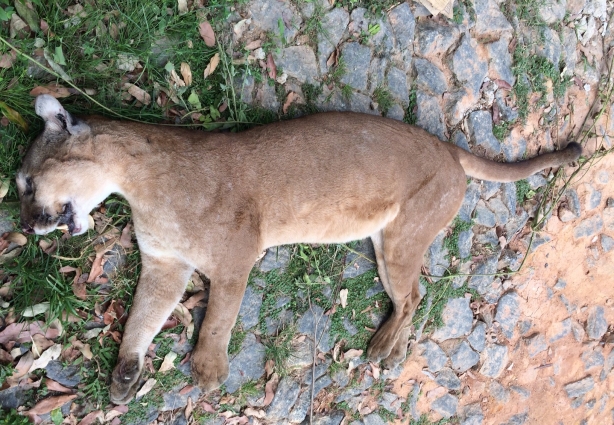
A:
[27,228]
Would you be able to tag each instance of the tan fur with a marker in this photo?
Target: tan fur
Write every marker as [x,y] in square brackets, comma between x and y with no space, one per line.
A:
[214,201]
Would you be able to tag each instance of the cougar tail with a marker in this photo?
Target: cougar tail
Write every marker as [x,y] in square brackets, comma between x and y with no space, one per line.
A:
[485,169]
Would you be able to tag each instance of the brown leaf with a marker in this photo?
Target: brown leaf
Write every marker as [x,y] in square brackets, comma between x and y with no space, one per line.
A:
[12,115]
[5,357]
[23,366]
[269,390]
[186,73]
[206,32]
[332,59]
[269,366]
[90,418]
[289,99]
[56,386]
[16,238]
[188,409]
[253,45]
[183,314]
[352,354]
[503,84]
[113,31]
[207,407]
[213,63]
[191,302]
[55,90]
[22,332]
[139,94]
[44,27]
[48,247]
[270,64]
[182,6]
[147,387]
[41,343]
[51,403]
[7,59]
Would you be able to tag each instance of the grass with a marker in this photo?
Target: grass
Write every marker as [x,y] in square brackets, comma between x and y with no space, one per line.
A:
[523,191]
[501,130]
[451,241]
[412,108]
[384,99]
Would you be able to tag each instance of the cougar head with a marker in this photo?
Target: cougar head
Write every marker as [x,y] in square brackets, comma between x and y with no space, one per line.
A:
[57,182]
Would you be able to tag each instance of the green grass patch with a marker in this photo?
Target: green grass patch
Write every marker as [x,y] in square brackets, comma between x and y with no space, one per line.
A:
[451,241]
[384,99]
[501,130]
[523,191]
[412,108]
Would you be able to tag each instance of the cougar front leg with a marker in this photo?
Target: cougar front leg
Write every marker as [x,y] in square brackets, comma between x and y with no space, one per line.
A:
[162,282]
[210,357]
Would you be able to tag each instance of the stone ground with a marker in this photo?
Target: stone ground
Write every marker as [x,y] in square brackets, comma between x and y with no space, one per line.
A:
[536,348]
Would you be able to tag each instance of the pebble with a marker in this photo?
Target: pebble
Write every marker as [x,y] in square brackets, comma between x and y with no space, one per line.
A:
[477,338]
[250,307]
[607,243]
[536,344]
[508,312]
[285,397]
[275,258]
[592,358]
[494,360]
[560,284]
[446,406]
[457,318]
[435,357]
[361,261]
[464,358]
[579,388]
[247,365]
[588,227]
[560,329]
[596,325]
[447,378]
[479,125]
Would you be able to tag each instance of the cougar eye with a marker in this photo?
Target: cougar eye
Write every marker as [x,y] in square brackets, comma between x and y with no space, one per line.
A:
[28,190]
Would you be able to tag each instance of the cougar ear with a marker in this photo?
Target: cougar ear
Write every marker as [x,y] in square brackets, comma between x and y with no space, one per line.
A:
[56,117]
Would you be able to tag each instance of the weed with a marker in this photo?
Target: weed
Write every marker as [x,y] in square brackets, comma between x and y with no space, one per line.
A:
[451,241]
[384,99]
[386,415]
[412,107]
[501,130]
[424,420]
[279,349]
[12,417]
[237,337]
[523,191]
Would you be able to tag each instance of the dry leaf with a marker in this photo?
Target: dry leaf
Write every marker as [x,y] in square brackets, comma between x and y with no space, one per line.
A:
[36,309]
[254,412]
[52,353]
[374,370]
[240,27]
[126,238]
[183,314]
[343,296]
[50,403]
[253,45]
[206,32]
[269,366]
[186,73]
[213,63]
[168,362]
[352,354]
[269,390]
[48,247]
[188,409]
[332,59]
[96,270]
[22,332]
[23,366]
[176,79]
[289,99]
[90,418]
[207,407]
[16,238]
[191,302]
[56,386]
[139,94]
[55,90]
[270,64]
[146,388]
[7,59]
[182,6]
[40,344]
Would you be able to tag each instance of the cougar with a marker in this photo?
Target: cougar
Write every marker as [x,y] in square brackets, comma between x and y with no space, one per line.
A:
[214,201]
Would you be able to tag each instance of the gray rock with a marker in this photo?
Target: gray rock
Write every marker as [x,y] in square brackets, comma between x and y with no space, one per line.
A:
[335,23]
[484,216]
[457,103]
[594,198]
[349,327]
[446,406]
[465,239]
[377,72]
[397,84]
[301,355]
[433,39]
[489,189]
[341,378]
[536,344]
[383,42]
[579,388]
[396,112]
[447,378]
[523,392]
[494,360]
[13,397]
[502,214]
[250,307]
[307,325]
[499,392]
[549,45]
[508,196]
[333,418]
[275,258]
[266,15]
[577,402]
[553,11]
[596,325]
[607,243]
[467,65]
[561,329]
[473,420]
[464,357]
[435,356]
[516,224]
[437,253]
[472,196]
[538,240]
[247,365]
[301,408]
[403,26]
[572,209]
[429,115]
[285,397]
[570,54]
[560,284]
[508,312]
[429,78]
[477,338]
[460,140]
[568,305]
[536,181]
[457,318]
[174,400]
[588,227]
[361,103]
[378,288]
[298,62]
[518,419]
[274,324]
[501,61]
[592,358]
[512,148]
[486,237]
[482,283]
[356,58]
[162,51]
[578,331]
[68,376]
[245,86]
[490,22]
[373,419]
[479,125]
[361,261]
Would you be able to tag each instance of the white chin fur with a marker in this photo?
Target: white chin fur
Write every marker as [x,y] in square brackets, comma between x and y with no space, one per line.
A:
[82,225]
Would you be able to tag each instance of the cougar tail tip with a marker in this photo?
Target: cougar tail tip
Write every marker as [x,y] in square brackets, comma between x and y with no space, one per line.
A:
[574,149]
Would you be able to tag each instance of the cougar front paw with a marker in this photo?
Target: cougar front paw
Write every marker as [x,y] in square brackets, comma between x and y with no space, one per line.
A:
[383,341]
[125,380]
[209,370]
[399,351]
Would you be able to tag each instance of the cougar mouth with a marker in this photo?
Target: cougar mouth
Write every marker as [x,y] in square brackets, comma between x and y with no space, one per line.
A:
[67,218]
